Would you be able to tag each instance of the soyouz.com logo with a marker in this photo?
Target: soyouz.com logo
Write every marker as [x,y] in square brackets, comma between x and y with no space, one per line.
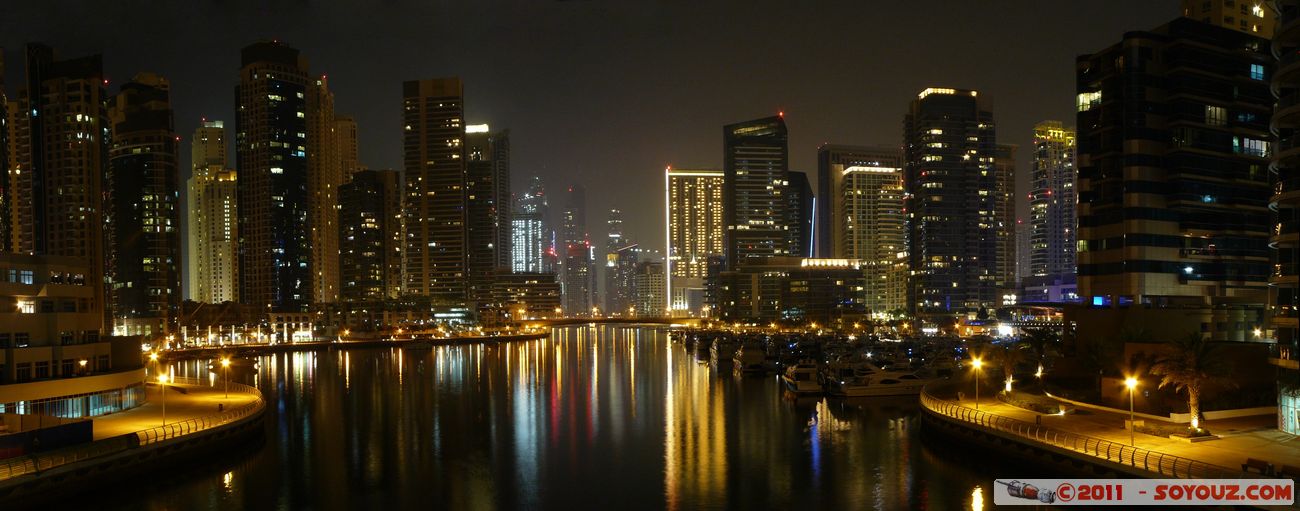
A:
[1138,492]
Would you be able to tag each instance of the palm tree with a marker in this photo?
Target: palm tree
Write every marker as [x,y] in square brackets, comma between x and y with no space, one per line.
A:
[1190,364]
[1038,341]
[1007,357]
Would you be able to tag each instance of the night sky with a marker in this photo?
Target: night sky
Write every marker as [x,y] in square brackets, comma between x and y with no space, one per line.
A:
[607,93]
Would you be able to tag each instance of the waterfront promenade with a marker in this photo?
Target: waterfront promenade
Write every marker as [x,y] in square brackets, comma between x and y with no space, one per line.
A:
[1102,435]
[184,403]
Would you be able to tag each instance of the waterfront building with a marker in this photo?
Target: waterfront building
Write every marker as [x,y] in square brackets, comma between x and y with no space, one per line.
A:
[832,161]
[530,232]
[275,200]
[696,231]
[370,241]
[213,228]
[59,142]
[1284,202]
[874,231]
[487,218]
[537,295]
[756,175]
[324,175]
[951,180]
[434,135]
[142,220]
[621,257]
[651,284]
[1173,178]
[345,143]
[793,289]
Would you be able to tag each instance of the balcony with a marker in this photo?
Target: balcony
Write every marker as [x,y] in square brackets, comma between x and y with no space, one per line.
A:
[1285,234]
[1284,274]
[1286,192]
[1284,355]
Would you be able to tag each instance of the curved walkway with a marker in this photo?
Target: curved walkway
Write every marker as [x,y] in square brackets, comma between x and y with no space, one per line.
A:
[192,407]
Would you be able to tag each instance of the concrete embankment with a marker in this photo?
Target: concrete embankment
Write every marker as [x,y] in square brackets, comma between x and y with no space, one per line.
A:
[250,350]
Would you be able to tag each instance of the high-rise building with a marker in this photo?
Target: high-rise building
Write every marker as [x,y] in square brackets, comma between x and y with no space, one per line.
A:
[325,174]
[1173,178]
[1004,202]
[59,145]
[345,142]
[620,261]
[875,232]
[1254,17]
[801,208]
[1024,235]
[370,240]
[433,126]
[756,165]
[487,199]
[211,218]
[832,161]
[142,217]
[1052,201]
[696,231]
[951,184]
[275,200]
[576,276]
[1284,289]
[531,236]
[650,286]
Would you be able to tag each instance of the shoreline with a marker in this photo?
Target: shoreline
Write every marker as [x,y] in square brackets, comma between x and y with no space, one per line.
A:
[246,350]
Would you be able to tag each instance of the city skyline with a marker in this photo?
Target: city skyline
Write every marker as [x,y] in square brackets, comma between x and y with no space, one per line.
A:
[600,89]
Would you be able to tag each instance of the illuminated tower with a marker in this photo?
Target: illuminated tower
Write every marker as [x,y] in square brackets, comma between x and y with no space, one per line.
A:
[696,231]
[875,232]
[756,165]
[434,133]
[487,195]
[951,201]
[1052,202]
[531,236]
[142,220]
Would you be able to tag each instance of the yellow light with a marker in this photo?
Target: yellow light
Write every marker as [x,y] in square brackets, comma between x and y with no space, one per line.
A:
[1131,382]
[82,362]
[1258,332]
[153,357]
[977,363]
[162,378]
[225,362]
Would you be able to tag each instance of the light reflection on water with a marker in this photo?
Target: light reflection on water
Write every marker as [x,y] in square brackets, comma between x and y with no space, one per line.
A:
[588,418]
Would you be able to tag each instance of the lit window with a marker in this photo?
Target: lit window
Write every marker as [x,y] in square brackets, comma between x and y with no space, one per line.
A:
[1216,115]
[1256,71]
[1088,100]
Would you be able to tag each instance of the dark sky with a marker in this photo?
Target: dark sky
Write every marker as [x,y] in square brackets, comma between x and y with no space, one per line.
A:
[609,92]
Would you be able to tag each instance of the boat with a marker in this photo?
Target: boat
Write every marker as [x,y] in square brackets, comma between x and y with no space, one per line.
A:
[723,351]
[848,378]
[894,384]
[801,377]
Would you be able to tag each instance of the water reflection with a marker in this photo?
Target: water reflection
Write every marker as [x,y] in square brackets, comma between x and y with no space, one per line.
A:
[590,417]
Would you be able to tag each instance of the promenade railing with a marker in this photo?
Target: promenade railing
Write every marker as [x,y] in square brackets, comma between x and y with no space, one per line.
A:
[38,462]
[1151,461]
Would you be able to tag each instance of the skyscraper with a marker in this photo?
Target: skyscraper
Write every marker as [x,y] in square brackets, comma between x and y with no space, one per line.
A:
[530,232]
[801,207]
[1284,282]
[755,161]
[951,201]
[696,231]
[1173,176]
[1052,202]
[6,180]
[650,285]
[325,174]
[620,260]
[271,138]
[142,217]
[832,162]
[370,242]
[1004,203]
[345,142]
[576,276]
[488,204]
[59,153]
[875,232]
[213,218]
[433,127]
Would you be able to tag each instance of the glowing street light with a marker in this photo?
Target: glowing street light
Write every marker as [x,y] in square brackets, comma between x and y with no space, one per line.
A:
[977,363]
[225,367]
[1132,384]
[162,384]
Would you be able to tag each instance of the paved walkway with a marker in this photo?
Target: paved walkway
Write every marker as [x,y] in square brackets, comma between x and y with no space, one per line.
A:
[184,402]
[1253,437]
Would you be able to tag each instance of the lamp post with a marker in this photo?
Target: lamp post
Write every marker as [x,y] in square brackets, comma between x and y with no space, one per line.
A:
[225,368]
[1132,384]
[162,385]
[976,363]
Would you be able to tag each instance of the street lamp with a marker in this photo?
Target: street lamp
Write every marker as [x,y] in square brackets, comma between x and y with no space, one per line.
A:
[1132,384]
[977,363]
[82,363]
[162,385]
[225,368]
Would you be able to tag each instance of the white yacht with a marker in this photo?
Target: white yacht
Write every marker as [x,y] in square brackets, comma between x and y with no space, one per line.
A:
[801,378]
